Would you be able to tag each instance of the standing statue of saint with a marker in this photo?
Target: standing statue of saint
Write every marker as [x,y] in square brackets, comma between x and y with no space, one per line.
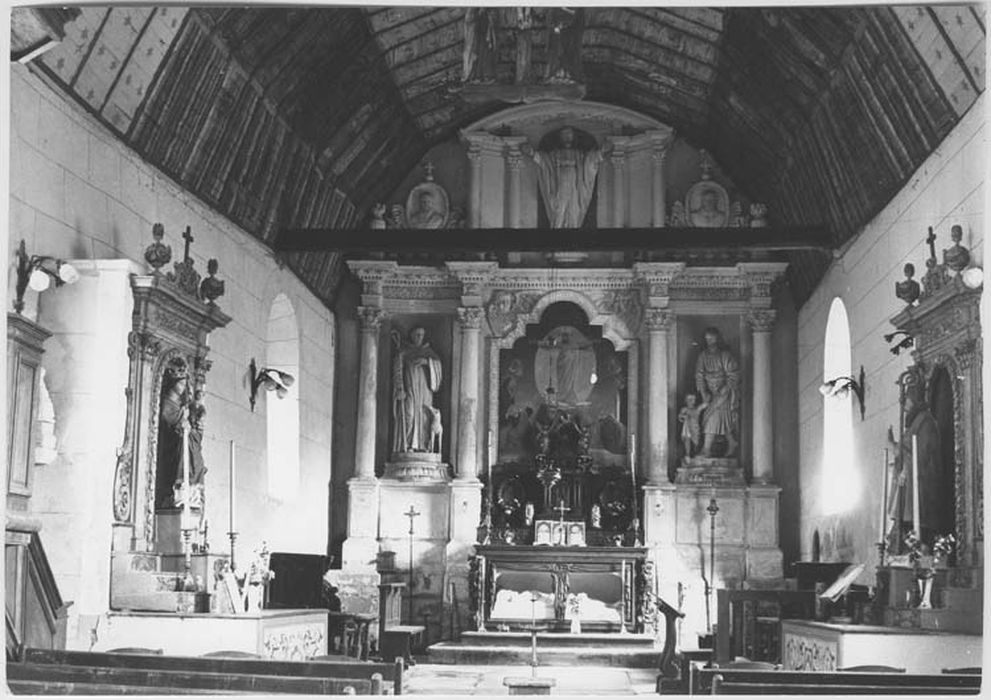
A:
[481,45]
[717,378]
[177,412]
[566,176]
[416,376]
[564,44]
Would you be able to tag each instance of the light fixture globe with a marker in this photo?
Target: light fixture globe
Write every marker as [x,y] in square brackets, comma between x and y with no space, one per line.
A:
[67,273]
[973,277]
[39,281]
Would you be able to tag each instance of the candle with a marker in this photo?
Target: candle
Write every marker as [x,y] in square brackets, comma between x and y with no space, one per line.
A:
[231,498]
[633,456]
[491,455]
[185,477]
[884,496]
[915,486]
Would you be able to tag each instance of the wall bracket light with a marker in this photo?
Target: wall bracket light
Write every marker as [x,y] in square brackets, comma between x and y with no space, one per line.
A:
[904,344]
[268,379]
[37,272]
[840,387]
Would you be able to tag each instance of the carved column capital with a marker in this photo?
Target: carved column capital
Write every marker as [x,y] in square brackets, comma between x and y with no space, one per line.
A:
[618,158]
[370,318]
[761,321]
[659,319]
[657,277]
[475,153]
[473,276]
[967,353]
[470,317]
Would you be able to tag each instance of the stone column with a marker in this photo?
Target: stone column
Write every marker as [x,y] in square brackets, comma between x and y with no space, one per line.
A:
[618,159]
[657,158]
[761,323]
[514,165]
[470,319]
[658,322]
[364,445]
[475,186]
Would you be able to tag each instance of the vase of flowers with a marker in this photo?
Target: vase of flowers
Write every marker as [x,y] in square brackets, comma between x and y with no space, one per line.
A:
[575,612]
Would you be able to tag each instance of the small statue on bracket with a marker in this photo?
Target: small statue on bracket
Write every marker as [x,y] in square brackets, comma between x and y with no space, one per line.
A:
[211,288]
[956,257]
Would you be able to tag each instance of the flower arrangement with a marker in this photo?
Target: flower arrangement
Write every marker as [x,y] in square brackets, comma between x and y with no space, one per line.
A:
[259,572]
[915,547]
[943,546]
[574,605]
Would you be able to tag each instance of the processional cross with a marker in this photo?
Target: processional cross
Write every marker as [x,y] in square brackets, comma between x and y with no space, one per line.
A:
[411,513]
[931,240]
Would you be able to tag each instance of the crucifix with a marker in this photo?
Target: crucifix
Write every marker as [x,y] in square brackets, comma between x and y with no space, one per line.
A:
[187,236]
[931,240]
[411,513]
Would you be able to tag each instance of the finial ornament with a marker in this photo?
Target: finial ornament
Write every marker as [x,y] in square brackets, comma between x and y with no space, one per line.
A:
[158,253]
[908,289]
[956,257]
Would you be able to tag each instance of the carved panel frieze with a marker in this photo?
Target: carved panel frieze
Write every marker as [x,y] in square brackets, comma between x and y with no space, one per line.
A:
[406,292]
[294,642]
[809,654]
[625,304]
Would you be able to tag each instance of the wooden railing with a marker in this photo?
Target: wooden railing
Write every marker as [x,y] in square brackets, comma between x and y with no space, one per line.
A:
[725,681]
[35,612]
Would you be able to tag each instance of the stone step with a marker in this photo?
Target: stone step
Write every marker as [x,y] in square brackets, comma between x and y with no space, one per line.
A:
[558,639]
[461,653]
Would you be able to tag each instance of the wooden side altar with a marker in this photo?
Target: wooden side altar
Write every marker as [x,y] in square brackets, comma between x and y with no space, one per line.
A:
[520,582]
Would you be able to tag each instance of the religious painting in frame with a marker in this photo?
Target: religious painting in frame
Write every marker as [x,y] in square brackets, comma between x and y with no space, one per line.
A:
[576,534]
[563,380]
[542,531]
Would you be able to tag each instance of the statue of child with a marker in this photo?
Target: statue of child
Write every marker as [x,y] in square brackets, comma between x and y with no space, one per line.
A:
[690,417]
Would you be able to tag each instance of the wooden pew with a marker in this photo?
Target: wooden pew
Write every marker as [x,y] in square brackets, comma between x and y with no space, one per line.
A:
[727,681]
[354,670]
[179,679]
[395,639]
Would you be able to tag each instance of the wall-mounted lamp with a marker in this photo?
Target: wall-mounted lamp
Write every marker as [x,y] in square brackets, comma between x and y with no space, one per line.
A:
[904,344]
[37,272]
[841,387]
[268,379]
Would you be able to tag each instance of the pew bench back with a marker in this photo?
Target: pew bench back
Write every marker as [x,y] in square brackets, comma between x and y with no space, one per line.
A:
[341,670]
[726,681]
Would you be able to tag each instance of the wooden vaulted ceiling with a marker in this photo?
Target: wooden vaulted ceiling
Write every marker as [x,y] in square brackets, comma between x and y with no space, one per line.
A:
[304,117]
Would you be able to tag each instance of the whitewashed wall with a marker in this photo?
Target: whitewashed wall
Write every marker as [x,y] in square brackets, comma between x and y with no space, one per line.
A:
[77,192]
[948,189]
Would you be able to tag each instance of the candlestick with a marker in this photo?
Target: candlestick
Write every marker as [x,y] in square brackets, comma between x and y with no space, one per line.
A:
[884,496]
[185,519]
[232,488]
[633,455]
[491,452]
[915,487]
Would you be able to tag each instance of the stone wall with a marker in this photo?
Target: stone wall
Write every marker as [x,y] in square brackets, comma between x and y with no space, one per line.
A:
[948,189]
[79,193]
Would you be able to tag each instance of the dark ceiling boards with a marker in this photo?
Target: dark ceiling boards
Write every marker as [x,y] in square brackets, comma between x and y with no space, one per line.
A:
[292,117]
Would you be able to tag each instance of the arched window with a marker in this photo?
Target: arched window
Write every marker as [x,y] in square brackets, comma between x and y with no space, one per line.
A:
[840,479]
[282,414]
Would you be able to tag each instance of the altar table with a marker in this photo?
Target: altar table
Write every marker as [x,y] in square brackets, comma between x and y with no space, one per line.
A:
[290,635]
[808,645]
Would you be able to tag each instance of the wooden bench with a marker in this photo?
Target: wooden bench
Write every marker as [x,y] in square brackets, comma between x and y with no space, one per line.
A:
[727,681]
[395,638]
[346,672]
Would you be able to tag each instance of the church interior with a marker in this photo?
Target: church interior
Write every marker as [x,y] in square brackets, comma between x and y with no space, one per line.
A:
[382,350]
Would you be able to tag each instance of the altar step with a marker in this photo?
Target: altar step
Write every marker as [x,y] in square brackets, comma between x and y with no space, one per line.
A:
[513,648]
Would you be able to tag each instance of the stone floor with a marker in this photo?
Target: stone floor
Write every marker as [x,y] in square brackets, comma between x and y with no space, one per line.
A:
[438,679]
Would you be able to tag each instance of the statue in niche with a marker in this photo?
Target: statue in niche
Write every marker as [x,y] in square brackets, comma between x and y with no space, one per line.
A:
[481,45]
[691,425]
[566,176]
[717,379]
[416,377]
[921,424]
[177,413]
